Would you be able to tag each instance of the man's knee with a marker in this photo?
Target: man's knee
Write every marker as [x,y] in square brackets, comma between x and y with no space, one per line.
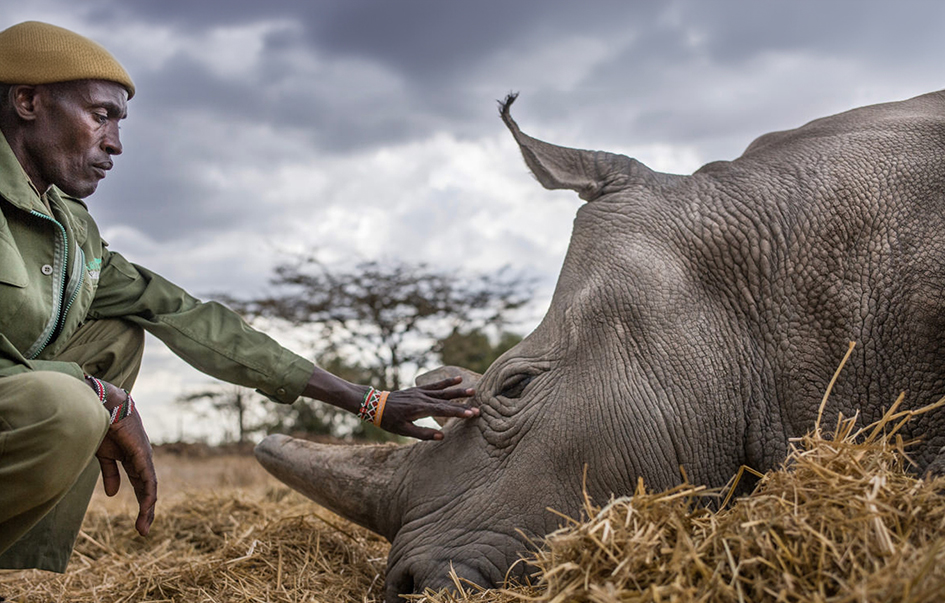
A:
[57,428]
[67,409]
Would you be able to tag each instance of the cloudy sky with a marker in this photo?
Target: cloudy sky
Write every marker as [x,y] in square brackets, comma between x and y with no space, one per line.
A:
[369,128]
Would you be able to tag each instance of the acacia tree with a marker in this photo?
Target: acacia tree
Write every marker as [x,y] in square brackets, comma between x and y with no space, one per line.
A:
[251,413]
[232,400]
[473,349]
[386,316]
[314,418]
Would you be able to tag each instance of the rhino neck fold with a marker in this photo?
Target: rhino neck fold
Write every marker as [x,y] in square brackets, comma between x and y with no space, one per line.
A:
[352,481]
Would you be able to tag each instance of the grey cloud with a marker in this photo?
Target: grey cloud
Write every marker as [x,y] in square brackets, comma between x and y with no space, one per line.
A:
[435,47]
[447,59]
[885,32]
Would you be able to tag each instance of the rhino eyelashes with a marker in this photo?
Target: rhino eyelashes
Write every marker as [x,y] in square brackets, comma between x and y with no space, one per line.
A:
[515,386]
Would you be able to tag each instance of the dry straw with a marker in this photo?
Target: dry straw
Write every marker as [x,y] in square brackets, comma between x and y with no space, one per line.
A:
[229,548]
[843,521]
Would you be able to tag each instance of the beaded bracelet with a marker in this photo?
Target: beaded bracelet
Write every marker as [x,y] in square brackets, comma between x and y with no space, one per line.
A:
[124,409]
[372,406]
[119,412]
[99,388]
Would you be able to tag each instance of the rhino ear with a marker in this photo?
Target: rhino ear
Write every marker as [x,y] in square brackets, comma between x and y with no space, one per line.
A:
[589,173]
[470,380]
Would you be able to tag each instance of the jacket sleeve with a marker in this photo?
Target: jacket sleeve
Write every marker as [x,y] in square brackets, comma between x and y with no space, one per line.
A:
[207,335]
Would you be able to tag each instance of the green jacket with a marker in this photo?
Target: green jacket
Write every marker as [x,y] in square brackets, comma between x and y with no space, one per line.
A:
[56,272]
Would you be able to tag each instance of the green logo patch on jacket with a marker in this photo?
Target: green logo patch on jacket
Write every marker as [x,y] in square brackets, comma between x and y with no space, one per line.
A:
[94,268]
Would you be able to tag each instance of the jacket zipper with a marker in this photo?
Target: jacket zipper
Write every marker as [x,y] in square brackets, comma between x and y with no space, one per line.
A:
[59,309]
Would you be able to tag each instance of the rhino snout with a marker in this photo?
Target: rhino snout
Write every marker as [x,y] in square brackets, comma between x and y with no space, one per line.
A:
[481,557]
[436,575]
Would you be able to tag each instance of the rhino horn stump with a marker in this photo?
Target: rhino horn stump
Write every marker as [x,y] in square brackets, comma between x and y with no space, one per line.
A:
[352,481]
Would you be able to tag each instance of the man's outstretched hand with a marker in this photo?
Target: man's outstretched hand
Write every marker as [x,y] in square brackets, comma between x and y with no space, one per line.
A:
[127,443]
[433,400]
[403,407]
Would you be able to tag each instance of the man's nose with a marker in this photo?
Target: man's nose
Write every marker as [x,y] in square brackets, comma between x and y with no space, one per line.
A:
[112,142]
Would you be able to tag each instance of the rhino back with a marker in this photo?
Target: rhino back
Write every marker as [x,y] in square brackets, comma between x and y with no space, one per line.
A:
[840,240]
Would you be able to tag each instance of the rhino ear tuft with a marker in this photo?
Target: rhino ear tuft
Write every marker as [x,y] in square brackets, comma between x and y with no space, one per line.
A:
[505,105]
[589,173]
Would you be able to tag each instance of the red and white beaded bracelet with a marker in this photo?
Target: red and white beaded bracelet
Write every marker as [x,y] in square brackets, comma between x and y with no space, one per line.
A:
[119,412]
[372,406]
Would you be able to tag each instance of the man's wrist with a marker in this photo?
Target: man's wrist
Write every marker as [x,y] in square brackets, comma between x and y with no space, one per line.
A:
[118,402]
[123,409]
[334,390]
[99,387]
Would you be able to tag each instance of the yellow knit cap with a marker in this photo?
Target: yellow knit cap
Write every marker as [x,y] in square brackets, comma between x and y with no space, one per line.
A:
[39,53]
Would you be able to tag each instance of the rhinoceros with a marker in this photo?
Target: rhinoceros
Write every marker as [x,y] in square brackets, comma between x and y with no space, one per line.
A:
[696,323]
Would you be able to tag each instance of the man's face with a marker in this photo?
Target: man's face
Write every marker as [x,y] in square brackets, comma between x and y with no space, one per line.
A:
[74,134]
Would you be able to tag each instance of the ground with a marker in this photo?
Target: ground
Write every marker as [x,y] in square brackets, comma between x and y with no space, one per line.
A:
[224,530]
[844,521]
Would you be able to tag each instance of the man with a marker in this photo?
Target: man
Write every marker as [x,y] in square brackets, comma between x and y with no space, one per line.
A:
[73,312]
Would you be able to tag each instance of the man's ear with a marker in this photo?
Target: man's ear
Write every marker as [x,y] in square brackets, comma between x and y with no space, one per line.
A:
[23,100]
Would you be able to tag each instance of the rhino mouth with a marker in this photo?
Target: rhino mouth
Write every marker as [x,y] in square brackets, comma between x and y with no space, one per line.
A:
[480,565]
[410,581]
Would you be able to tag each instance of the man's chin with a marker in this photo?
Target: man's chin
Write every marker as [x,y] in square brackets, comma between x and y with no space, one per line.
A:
[80,191]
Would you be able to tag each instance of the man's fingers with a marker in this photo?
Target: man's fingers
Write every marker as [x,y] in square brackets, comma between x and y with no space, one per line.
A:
[145,519]
[111,479]
[421,433]
[146,493]
[128,443]
[455,410]
[449,394]
[442,384]
[145,485]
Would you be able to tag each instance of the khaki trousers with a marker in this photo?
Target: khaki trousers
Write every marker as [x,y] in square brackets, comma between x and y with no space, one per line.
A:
[51,425]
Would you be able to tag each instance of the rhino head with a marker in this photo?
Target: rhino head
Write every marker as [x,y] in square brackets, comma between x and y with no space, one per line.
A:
[695,324]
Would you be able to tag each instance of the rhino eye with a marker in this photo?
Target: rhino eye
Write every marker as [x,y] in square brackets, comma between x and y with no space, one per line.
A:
[515,386]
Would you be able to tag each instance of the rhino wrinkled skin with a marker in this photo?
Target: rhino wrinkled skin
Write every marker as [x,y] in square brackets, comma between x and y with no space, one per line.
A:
[696,322]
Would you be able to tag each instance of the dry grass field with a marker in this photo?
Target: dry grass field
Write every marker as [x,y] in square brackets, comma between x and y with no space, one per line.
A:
[224,531]
[842,522]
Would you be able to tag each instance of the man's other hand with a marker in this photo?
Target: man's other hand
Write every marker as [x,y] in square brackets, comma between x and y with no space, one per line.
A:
[127,443]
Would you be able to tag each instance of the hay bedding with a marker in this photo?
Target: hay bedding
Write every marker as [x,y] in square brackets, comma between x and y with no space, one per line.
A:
[844,523]
[841,522]
[217,548]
